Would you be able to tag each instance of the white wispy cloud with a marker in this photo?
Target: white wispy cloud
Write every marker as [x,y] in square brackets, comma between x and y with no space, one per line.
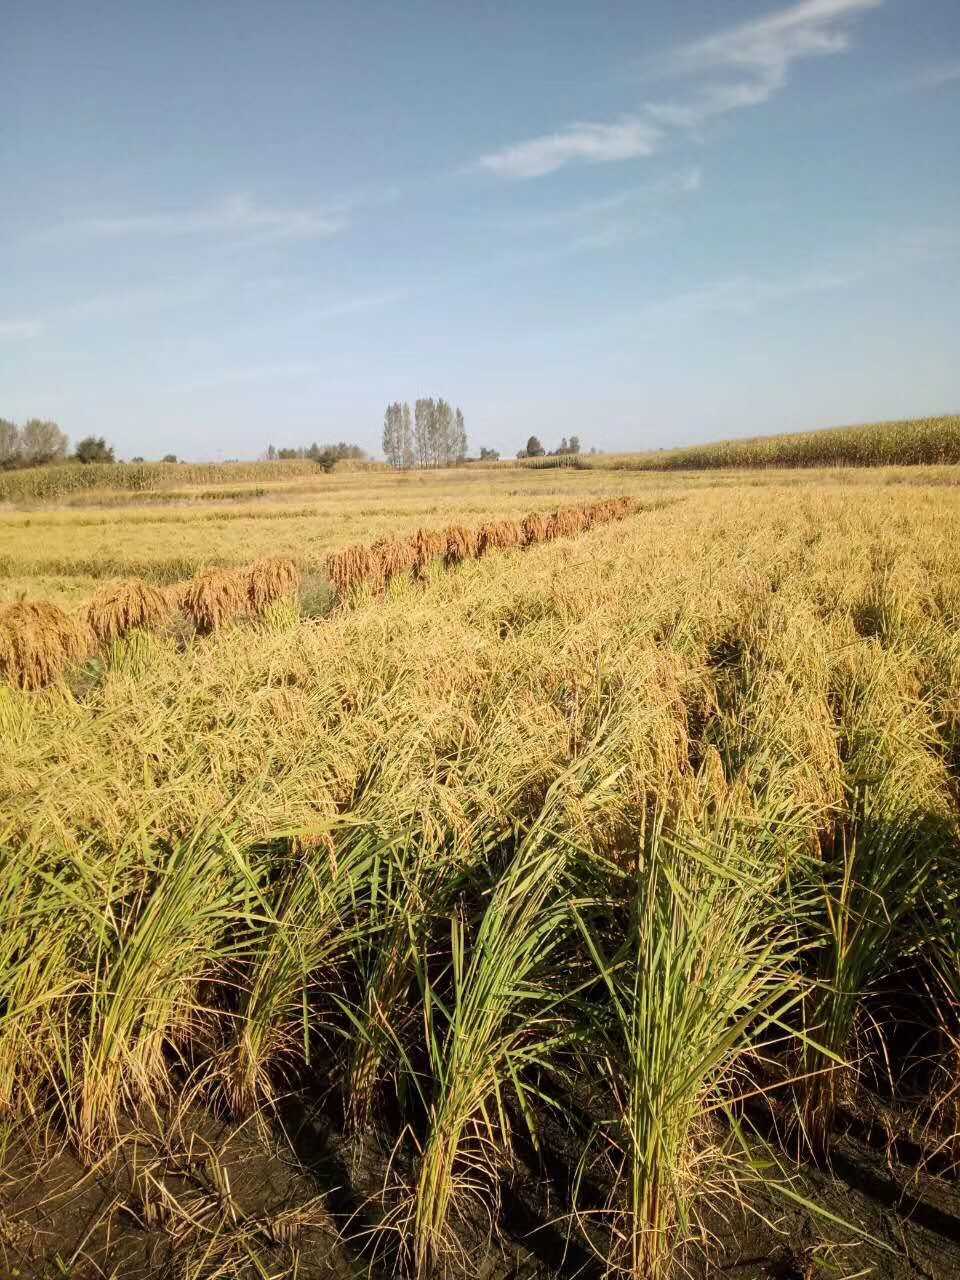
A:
[596,213]
[118,304]
[741,66]
[20,328]
[594,143]
[935,77]
[237,216]
[759,53]
[360,303]
[747,294]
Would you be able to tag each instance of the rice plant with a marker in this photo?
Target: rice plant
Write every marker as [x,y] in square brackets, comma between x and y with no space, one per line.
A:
[699,971]
[124,606]
[495,1031]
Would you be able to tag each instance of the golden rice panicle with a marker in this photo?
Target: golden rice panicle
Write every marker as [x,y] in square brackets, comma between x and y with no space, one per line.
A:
[498,535]
[429,545]
[461,544]
[270,579]
[485,538]
[121,606]
[174,593]
[214,597]
[561,524]
[534,528]
[396,556]
[352,566]
[511,534]
[38,641]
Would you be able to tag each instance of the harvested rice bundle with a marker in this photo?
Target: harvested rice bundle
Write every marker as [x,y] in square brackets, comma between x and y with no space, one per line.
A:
[579,519]
[351,566]
[429,544]
[215,597]
[566,523]
[270,579]
[498,535]
[38,640]
[396,557]
[461,544]
[534,528]
[174,593]
[562,523]
[118,608]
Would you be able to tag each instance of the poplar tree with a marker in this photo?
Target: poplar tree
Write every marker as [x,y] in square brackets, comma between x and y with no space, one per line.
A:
[424,428]
[406,438]
[392,450]
[443,434]
[460,436]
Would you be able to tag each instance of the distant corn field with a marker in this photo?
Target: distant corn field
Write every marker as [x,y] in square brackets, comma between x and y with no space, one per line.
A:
[54,482]
[917,442]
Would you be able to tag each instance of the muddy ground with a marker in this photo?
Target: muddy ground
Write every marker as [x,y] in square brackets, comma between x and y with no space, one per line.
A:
[200,1197]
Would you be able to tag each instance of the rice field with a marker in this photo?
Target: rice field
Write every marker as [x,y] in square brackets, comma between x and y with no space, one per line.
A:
[566,896]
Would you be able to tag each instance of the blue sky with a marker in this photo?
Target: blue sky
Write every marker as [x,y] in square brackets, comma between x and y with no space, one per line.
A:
[228,224]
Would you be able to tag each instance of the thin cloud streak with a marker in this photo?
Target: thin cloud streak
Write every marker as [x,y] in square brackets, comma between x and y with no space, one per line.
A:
[20,328]
[353,306]
[593,143]
[683,182]
[751,62]
[237,216]
[935,77]
[745,295]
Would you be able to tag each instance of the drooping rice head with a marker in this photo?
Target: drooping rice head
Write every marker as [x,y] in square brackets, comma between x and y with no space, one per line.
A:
[122,606]
[270,579]
[351,567]
[484,539]
[214,597]
[396,557]
[429,545]
[39,640]
[579,521]
[534,528]
[461,544]
[498,535]
[602,512]
[608,509]
[511,534]
[174,593]
[561,524]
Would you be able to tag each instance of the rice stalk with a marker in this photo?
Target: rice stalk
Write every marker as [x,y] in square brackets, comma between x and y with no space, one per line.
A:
[460,545]
[309,925]
[699,974]
[353,567]
[124,606]
[429,545]
[268,580]
[39,641]
[396,557]
[501,1022]
[215,597]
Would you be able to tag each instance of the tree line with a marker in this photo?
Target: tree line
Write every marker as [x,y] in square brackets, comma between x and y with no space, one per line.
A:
[325,455]
[534,449]
[41,443]
[434,435]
